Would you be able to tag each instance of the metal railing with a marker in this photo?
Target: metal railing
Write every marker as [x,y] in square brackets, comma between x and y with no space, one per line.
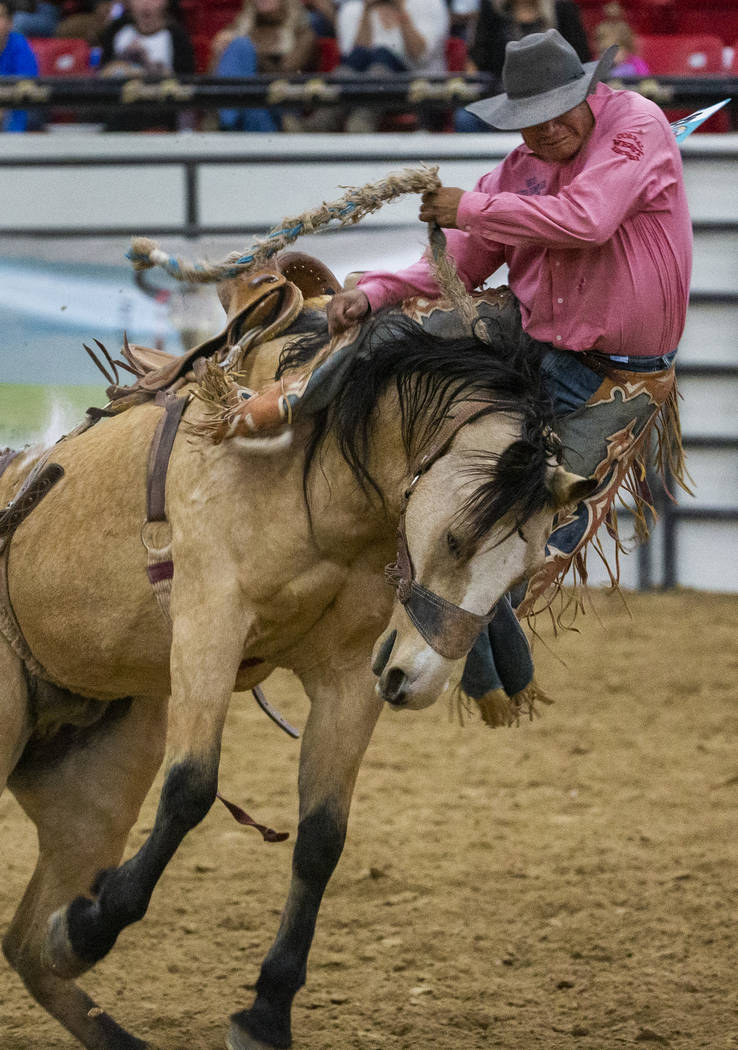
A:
[137,95]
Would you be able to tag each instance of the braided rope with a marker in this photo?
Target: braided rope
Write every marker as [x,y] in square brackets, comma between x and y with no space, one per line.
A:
[447,277]
[355,204]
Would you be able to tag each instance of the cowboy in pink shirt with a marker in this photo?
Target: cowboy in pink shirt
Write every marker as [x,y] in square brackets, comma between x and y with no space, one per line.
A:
[589,214]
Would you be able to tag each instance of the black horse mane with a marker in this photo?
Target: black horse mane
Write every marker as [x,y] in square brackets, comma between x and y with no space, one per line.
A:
[431,375]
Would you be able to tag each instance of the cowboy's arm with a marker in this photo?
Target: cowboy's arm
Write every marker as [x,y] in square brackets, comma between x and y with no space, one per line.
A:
[626,173]
[475,262]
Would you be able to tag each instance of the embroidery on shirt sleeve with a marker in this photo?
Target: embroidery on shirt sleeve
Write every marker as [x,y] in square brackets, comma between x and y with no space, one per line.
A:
[628,145]
[533,188]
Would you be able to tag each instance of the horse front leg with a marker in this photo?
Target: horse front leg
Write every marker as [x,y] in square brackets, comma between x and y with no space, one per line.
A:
[344,711]
[84,931]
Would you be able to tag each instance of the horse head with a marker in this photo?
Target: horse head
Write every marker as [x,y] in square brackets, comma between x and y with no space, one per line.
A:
[481,485]
[457,558]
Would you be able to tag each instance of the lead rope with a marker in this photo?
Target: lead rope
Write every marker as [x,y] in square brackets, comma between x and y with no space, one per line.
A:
[356,204]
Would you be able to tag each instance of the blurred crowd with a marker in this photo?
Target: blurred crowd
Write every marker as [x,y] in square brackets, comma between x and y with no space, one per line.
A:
[346,38]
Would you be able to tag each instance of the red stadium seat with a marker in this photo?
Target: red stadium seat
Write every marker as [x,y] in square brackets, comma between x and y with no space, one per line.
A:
[643,16]
[60,57]
[208,19]
[679,55]
[202,45]
[455,54]
[328,54]
[720,20]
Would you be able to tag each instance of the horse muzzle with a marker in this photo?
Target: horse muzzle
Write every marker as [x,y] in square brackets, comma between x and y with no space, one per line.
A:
[408,677]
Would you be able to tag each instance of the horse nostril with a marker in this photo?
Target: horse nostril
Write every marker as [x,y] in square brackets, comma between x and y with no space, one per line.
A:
[393,687]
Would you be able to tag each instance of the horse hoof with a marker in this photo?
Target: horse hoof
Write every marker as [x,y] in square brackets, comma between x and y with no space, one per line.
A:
[238,1039]
[57,953]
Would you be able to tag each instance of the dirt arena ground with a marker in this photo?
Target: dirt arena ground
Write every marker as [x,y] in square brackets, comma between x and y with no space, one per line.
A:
[569,885]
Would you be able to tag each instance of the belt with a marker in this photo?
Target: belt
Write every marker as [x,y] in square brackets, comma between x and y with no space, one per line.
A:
[637,364]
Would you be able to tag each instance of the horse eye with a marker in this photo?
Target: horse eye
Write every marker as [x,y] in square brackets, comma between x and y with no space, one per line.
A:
[454,545]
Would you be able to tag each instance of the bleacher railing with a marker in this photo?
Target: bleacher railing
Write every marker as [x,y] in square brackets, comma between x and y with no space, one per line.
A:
[401,91]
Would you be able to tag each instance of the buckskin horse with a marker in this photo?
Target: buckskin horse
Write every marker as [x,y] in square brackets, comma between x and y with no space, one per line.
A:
[275,561]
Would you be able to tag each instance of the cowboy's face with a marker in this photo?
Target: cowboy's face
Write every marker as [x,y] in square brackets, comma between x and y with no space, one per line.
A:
[560,139]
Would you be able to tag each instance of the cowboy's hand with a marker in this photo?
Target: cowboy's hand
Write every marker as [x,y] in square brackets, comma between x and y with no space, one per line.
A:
[441,206]
[345,309]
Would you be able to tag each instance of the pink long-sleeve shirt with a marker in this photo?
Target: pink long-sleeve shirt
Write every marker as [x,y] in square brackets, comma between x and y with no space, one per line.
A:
[599,249]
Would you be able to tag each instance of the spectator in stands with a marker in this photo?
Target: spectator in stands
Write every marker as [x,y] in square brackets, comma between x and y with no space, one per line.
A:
[16,60]
[279,32]
[394,36]
[380,38]
[269,36]
[89,24]
[36,17]
[614,29]
[501,21]
[146,40]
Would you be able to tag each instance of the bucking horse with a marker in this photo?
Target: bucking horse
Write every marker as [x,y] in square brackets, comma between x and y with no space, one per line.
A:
[168,565]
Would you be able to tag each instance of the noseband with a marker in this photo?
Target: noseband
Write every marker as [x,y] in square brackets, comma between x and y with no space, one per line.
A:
[447,628]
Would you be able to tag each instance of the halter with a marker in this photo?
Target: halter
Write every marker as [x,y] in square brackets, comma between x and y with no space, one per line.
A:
[447,628]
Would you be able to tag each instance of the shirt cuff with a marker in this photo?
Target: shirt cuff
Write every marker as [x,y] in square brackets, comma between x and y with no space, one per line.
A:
[375,291]
[467,213]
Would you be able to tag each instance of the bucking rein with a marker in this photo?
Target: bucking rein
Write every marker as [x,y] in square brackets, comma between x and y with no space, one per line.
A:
[156,532]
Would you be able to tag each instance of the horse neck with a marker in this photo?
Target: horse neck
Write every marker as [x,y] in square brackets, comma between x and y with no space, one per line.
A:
[333,483]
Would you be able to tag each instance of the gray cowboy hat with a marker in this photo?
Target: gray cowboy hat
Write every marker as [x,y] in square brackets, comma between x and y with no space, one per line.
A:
[543,78]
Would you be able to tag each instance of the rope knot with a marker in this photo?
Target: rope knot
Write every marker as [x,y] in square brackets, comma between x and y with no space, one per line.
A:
[141,253]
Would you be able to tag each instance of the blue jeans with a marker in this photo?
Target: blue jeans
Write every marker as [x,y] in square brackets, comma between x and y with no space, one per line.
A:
[240,60]
[41,22]
[361,58]
[567,380]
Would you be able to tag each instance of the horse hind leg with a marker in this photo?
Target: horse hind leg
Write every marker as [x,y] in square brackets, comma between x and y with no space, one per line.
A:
[83,794]
[15,716]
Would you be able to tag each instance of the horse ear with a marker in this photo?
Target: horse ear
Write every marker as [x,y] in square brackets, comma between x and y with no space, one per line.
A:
[568,489]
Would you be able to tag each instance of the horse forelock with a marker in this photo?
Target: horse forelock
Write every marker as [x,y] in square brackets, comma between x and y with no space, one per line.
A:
[430,376]
[512,488]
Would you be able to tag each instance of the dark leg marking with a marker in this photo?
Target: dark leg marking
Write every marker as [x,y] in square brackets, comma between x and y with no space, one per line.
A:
[123,894]
[320,839]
